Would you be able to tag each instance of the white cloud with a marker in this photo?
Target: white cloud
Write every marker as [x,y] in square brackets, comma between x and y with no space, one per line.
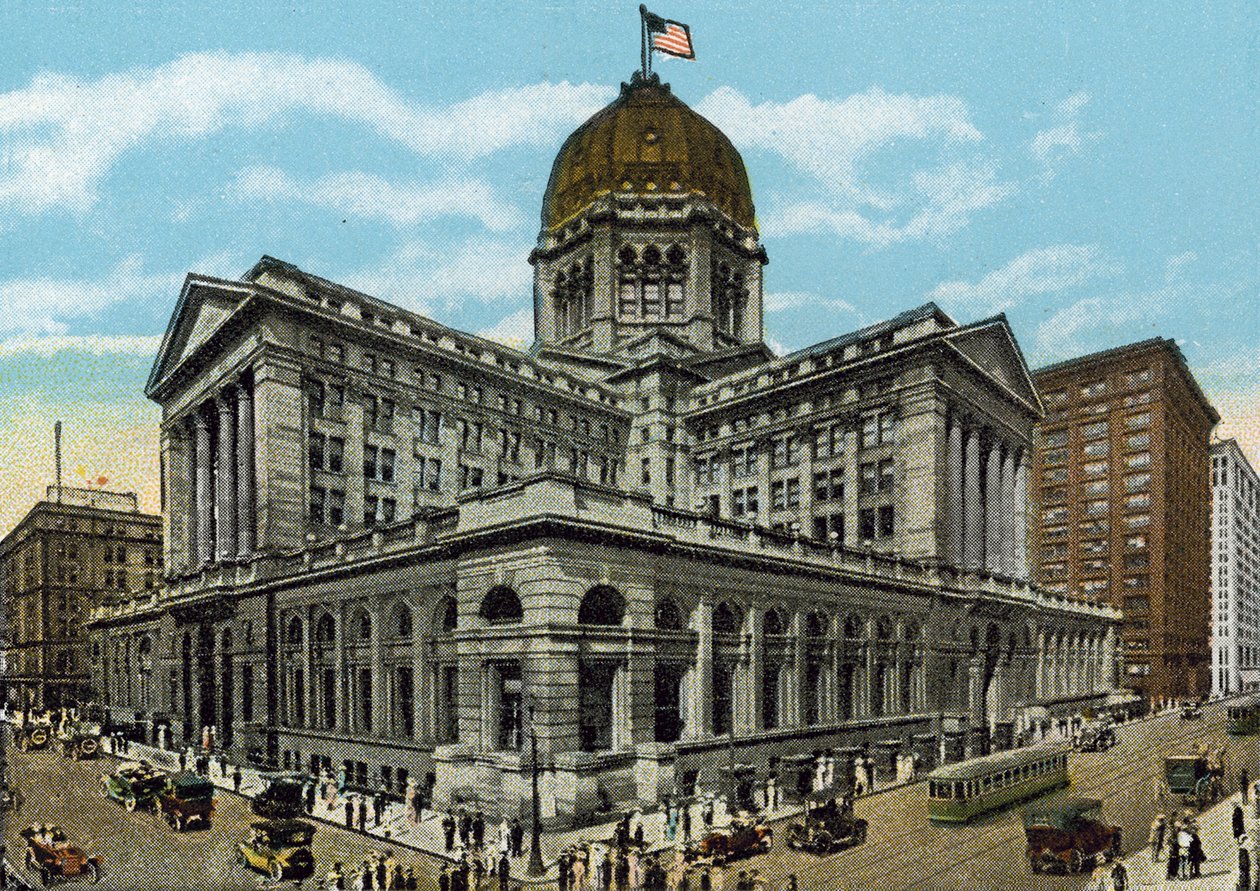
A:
[1037,272]
[781,301]
[1100,321]
[515,330]
[943,201]
[427,279]
[61,134]
[369,196]
[143,346]
[827,138]
[41,305]
[836,143]
[1052,146]
[1176,265]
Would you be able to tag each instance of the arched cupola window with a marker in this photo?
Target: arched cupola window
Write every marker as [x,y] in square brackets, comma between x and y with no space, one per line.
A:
[651,288]
[446,616]
[573,297]
[402,621]
[730,297]
[668,615]
[727,619]
[774,622]
[602,605]
[502,606]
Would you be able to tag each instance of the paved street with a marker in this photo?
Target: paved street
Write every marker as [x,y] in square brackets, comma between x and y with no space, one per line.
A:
[903,851]
[142,852]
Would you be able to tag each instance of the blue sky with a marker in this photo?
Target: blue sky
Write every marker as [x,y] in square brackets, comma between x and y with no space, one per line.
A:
[1089,169]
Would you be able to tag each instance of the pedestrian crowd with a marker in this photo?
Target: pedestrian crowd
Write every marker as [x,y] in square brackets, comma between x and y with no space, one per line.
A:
[1180,843]
[380,872]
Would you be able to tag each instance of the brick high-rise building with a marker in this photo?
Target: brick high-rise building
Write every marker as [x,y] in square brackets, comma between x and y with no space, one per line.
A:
[74,549]
[1122,504]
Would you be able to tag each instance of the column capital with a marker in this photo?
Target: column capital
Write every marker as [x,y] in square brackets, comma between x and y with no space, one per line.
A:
[198,420]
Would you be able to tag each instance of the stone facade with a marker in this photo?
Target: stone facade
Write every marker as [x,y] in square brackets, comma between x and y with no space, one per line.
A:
[648,553]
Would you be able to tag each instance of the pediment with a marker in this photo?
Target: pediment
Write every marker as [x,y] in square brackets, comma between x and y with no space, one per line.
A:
[203,308]
[992,349]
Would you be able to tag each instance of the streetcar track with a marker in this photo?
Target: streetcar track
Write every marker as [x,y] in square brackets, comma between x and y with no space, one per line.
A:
[1142,762]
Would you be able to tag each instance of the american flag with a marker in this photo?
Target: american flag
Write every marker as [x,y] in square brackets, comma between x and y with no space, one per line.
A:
[669,37]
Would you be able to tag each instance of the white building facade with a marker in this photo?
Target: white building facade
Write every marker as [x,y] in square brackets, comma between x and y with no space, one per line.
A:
[1235,571]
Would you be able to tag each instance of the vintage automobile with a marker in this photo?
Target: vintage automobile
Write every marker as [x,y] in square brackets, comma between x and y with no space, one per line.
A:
[1097,736]
[135,784]
[33,736]
[1190,711]
[1067,835]
[186,798]
[827,828]
[80,739]
[48,852]
[281,795]
[1196,779]
[279,848]
[744,837]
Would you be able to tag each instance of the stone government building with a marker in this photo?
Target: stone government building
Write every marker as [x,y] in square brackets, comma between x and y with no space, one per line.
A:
[648,542]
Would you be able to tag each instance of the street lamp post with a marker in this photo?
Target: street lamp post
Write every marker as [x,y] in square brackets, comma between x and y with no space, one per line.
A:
[535,867]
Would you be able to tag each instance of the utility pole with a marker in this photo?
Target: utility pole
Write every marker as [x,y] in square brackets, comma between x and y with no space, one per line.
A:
[536,867]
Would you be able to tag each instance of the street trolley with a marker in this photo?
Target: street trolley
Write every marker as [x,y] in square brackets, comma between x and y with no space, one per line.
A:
[1243,717]
[960,792]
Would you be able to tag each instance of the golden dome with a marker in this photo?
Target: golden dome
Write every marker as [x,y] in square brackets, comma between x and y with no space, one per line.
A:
[647,141]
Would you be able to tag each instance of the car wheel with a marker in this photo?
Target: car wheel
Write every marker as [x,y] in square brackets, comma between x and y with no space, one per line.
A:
[277,871]
[130,803]
[45,876]
[1076,861]
[25,744]
[94,873]
[30,858]
[178,823]
[240,858]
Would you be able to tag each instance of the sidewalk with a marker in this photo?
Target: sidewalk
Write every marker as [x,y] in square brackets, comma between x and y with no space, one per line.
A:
[427,837]
[1220,872]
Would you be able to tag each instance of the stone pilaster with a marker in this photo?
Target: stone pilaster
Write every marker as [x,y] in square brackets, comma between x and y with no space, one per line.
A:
[246,533]
[204,493]
[225,480]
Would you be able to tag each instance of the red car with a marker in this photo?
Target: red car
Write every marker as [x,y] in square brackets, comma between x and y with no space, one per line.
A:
[1066,835]
[48,851]
[743,838]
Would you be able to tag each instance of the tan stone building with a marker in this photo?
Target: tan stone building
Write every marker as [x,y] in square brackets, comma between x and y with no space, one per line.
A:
[74,550]
[1123,505]
[671,559]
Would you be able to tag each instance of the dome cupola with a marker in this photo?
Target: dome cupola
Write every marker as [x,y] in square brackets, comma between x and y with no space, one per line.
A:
[650,142]
[648,242]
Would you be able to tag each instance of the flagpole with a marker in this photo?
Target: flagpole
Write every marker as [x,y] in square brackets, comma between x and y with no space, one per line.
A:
[643,51]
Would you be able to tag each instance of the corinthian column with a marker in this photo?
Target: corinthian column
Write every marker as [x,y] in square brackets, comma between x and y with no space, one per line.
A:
[202,493]
[954,492]
[244,472]
[993,510]
[1006,522]
[225,479]
[973,516]
[1021,517]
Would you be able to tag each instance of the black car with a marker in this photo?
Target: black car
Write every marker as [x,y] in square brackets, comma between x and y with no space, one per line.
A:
[281,796]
